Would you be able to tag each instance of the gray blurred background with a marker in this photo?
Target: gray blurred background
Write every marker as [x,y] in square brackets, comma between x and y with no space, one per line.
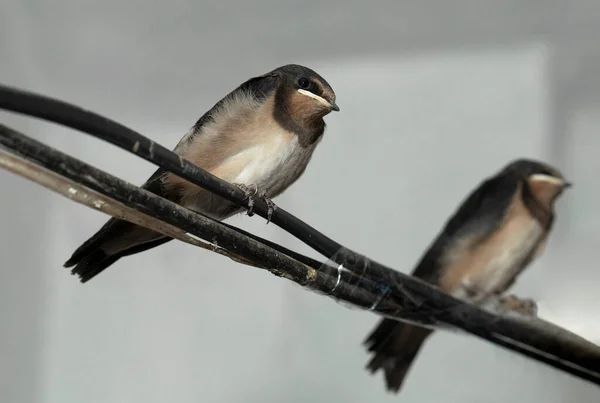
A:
[434,96]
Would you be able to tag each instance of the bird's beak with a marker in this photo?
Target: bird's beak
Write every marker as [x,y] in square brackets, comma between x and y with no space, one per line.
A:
[330,104]
[567,185]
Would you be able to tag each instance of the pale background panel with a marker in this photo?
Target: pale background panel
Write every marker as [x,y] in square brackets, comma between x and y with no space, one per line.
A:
[433,98]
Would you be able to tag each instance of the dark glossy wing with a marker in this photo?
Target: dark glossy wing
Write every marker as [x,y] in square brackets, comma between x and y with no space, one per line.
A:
[480,214]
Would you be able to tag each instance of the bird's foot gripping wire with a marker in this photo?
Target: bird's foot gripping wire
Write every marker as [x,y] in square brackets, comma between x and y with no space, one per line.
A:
[252,190]
[522,307]
[497,304]
[271,207]
[249,191]
[511,305]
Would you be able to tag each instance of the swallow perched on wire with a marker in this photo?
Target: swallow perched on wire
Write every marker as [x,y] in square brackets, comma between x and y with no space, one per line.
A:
[493,236]
[260,137]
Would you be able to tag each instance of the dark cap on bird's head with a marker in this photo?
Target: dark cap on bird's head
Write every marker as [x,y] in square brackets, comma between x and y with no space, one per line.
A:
[546,182]
[538,171]
[308,83]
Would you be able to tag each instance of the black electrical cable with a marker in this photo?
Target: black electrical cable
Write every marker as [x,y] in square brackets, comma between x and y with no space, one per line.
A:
[69,115]
[417,294]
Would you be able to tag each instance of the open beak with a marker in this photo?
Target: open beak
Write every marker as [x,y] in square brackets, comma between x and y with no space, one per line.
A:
[331,105]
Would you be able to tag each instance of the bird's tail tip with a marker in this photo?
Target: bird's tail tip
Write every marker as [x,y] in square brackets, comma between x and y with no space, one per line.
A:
[91,265]
[394,346]
[69,263]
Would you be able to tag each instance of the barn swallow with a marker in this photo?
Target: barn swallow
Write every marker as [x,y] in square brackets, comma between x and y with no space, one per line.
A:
[260,137]
[499,229]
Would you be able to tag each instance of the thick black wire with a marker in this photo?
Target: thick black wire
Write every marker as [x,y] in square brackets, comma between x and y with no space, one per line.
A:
[418,295]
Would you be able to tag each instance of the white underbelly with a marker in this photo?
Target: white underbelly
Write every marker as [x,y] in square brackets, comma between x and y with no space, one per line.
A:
[506,261]
[272,167]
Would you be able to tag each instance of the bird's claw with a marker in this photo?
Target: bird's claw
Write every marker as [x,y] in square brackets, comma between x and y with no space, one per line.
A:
[271,207]
[249,191]
[511,305]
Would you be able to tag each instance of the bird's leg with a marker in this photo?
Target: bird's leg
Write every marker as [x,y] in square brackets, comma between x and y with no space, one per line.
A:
[249,191]
[271,207]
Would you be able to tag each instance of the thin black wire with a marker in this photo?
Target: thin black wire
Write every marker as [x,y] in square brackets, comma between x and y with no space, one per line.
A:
[441,307]
[69,115]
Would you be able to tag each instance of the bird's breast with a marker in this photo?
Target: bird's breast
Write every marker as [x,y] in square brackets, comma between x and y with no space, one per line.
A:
[506,253]
[492,265]
[272,165]
[242,144]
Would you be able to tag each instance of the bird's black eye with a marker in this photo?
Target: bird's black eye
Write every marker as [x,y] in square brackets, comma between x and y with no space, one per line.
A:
[303,82]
